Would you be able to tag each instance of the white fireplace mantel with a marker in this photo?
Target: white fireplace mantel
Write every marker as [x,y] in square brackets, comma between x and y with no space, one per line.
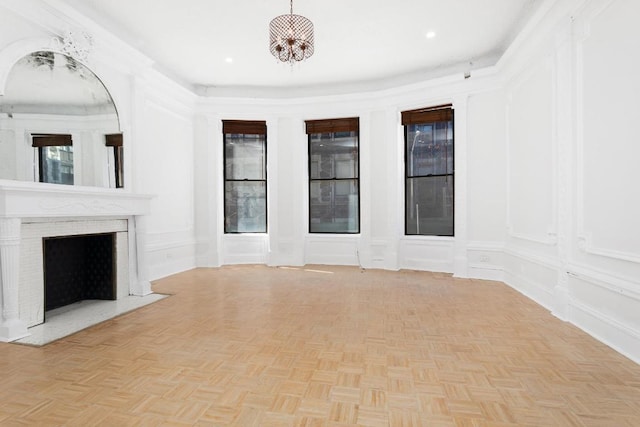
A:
[27,201]
[40,200]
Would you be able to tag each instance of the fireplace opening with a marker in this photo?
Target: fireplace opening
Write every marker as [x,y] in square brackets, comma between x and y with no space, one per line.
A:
[78,268]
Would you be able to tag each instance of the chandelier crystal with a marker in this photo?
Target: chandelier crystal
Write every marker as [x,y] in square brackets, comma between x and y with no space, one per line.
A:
[291,37]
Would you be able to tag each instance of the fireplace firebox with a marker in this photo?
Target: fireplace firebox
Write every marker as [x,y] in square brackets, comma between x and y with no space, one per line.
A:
[78,268]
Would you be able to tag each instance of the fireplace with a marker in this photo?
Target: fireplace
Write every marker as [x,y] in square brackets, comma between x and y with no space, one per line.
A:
[78,268]
[34,216]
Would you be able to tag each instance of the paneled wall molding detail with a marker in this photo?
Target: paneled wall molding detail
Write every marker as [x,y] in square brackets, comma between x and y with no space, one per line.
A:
[618,285]
[245,248]
[485,246]
[544,261]
[585,237]
[585,243]
[435,254]
[485,260]
[11,326]
[563,135]
[337,249]
[550,239]
[548,64]
[156,247]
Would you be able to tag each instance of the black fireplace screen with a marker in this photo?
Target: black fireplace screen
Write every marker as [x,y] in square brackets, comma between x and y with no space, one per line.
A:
[78,268]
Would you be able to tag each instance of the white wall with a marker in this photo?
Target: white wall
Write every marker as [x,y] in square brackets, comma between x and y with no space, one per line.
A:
[486,189]
[381,242]
[156,118]
[545,167]
[572,210]
[163,166]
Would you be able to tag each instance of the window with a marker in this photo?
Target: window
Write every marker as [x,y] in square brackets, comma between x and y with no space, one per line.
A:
[429,144]
[115,141]
[334,196]
[245,176]
[55,158]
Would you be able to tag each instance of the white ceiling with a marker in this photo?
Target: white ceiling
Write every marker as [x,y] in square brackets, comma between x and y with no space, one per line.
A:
[223,44]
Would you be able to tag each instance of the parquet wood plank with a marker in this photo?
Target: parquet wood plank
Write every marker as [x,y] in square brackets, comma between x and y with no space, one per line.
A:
[323,347]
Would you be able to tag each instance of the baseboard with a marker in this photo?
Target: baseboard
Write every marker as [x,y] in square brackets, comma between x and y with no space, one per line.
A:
[607,330]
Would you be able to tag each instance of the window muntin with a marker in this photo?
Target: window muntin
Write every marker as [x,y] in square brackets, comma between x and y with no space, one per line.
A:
[245,177]
[334,169]
[429,172]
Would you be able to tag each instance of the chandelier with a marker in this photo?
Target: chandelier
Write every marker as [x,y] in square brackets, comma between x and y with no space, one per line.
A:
[291,37]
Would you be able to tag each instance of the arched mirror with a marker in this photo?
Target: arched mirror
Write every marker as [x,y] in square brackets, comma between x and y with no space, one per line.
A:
[58,124]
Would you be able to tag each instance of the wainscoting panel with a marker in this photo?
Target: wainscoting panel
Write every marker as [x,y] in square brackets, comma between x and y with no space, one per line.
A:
[335,250]
[426,254]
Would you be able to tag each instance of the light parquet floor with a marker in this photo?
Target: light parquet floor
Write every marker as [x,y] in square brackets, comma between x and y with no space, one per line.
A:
[323,346]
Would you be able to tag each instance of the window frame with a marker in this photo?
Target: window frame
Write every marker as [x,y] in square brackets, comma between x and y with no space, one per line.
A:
[244,127]
[439,113]
[332,126]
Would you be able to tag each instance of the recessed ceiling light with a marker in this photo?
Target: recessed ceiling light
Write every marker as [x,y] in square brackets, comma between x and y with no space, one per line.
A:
[431,34]
[228,60]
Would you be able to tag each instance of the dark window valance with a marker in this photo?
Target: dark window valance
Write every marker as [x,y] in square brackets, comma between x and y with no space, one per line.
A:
[351,124]
[247,127]
[50,140]
[440,113]
[113,140]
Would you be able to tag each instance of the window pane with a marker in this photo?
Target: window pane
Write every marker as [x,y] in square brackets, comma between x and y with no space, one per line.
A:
[334,206]
[245,156]
[56,164]
[430,149]
[429,209]
[245,207]
[333,155]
